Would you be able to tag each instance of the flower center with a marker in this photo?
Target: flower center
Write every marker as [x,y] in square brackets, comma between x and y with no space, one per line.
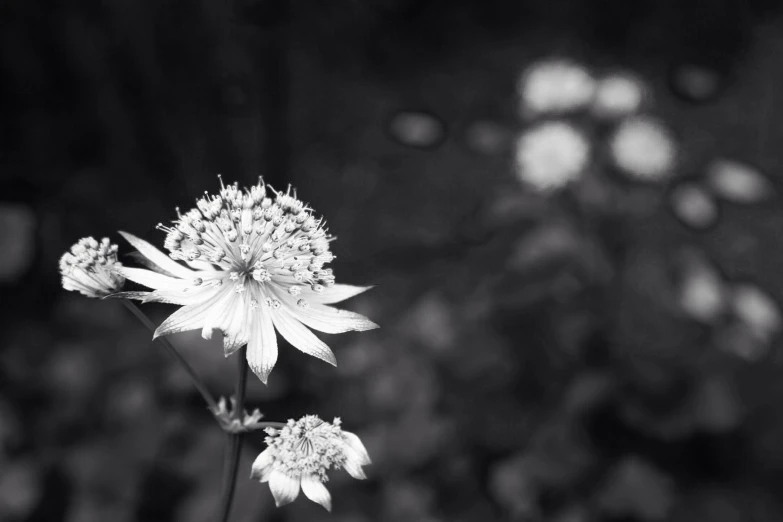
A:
[308,446]
[255,238]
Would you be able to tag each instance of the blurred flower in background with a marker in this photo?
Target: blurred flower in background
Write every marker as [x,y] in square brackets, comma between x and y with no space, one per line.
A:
[617,95]
[554,86]
[551,154]
[643,148]
[694,205]
[737,182]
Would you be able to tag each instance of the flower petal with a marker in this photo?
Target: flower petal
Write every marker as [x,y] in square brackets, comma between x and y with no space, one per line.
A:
[331,320]
[185,296]
[301,338]
[227,311]
[285,488]
[262,466]
[235,331]
[72,284]
[127,295]
[152,279]
[262,345]
[352,465]
[157,257]
[315,490]
[232,343]
[354,443]
[189,317]
[335,293]
[142,260]
[200,265]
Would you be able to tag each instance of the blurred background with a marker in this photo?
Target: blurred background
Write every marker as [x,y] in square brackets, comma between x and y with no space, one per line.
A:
[570,210]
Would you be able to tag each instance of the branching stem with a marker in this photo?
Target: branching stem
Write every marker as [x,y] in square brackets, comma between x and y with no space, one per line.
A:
[197,382]
[234,441]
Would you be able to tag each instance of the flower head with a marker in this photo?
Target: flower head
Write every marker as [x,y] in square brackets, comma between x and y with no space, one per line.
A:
[301,453]
[91,268]
[255,263]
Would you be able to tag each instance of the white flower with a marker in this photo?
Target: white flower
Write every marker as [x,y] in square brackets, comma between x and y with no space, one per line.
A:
[643,148]
[555,86]
[551,154]
[301,453]
[617,95]
[90,268]
[255,264]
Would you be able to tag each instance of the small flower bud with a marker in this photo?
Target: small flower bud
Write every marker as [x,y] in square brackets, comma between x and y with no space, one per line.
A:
[89,268]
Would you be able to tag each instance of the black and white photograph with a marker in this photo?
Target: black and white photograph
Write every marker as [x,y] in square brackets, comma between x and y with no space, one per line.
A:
[391,261]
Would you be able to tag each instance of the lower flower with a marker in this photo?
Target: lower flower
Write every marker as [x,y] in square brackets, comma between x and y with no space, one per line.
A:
[300,454]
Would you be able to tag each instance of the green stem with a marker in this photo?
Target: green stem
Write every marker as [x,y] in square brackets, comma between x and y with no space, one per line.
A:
[234,441]
[197,382]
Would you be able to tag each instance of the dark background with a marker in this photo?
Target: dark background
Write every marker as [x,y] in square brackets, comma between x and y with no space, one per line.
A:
[533,361]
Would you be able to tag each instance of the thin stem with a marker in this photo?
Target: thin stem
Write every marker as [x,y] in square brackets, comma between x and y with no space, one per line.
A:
[241,382]
[234,441]
[197,382]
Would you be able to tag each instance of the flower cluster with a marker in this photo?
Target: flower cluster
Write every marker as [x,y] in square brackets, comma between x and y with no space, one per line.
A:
[555,150]
[91,268]
[300,454]
[247,263]
[255,263]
